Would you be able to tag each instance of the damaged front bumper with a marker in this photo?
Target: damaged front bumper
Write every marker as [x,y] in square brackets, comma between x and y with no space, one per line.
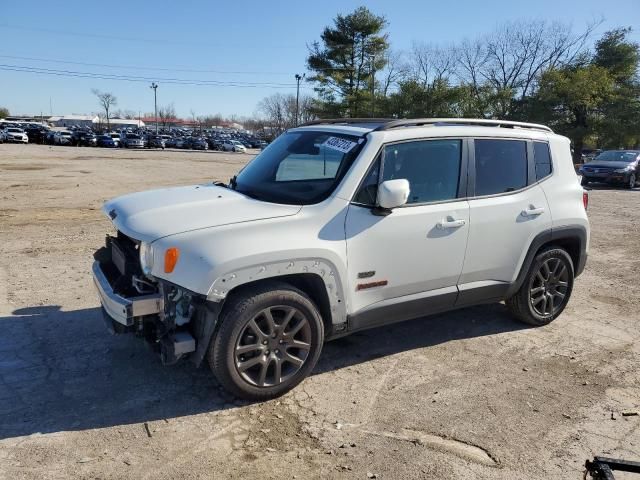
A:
[124,310]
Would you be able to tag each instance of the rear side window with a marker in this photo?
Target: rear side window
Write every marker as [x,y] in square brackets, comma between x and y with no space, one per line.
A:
[543,159]
[432,168]
[501,166]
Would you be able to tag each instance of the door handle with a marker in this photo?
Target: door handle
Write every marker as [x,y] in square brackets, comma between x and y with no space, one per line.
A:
[532,211]
[449,222]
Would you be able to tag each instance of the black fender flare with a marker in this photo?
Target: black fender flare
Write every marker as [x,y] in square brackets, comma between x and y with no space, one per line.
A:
[547,237]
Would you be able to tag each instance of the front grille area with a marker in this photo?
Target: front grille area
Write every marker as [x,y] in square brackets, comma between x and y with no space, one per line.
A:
[119,261]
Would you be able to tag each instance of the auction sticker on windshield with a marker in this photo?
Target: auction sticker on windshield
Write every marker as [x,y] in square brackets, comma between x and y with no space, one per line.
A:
[340,144]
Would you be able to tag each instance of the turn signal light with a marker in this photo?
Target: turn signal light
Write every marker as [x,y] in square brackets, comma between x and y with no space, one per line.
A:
[585,199]
[170,259]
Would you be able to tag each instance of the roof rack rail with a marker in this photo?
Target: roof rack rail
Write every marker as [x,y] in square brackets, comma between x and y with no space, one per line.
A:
[346,121]
[420,122]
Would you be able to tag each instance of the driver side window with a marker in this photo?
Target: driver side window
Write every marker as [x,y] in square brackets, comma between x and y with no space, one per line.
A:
[432,168]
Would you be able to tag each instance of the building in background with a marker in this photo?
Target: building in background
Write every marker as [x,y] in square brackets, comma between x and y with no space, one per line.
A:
[74,120]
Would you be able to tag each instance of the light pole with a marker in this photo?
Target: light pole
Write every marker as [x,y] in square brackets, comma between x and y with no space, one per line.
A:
[298,78]
[155,103]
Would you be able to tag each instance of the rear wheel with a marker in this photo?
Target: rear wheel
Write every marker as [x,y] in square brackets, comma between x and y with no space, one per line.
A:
[269,340]
[546,289]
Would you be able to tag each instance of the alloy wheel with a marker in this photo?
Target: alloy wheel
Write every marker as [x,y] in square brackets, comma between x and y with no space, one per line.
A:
[549,287]
[273,346]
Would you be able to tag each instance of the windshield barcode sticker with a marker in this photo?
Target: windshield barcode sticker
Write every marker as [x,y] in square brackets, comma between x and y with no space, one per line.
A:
[340,144]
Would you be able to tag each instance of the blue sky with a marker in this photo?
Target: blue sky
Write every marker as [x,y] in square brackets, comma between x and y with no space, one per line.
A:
[259,43]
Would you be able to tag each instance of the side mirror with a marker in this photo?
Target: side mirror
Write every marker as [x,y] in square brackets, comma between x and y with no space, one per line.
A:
[393,193]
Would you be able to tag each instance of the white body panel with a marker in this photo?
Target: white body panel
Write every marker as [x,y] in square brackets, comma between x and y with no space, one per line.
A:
[407,249]
[226,238]
[499,233]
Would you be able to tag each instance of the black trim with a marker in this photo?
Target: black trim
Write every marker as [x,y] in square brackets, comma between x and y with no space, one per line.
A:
[203,338]
[580,233]
[399,310]
[479,295]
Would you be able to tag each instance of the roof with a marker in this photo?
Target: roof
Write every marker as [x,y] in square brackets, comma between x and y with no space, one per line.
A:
[381,124]
[90,118]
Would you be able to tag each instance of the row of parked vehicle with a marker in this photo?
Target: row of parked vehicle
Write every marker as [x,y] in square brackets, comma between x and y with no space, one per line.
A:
[142,138]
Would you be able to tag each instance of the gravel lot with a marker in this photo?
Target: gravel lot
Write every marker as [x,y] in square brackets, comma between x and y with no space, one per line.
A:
[470,394]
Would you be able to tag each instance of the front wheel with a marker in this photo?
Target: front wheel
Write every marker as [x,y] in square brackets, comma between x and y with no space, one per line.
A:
[631,182]
[269,340]
[546,289]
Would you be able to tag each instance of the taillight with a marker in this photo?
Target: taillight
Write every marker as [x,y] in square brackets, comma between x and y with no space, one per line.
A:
[585,199]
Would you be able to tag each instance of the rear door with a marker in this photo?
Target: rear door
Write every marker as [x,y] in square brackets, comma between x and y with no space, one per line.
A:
[507,209]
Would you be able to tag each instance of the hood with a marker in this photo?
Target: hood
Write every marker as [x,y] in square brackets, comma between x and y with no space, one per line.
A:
[154,214]
[597,164]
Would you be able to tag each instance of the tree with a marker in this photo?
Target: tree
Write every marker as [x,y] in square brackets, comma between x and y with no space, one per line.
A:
[280,110]
[344,63]
[166,114]
[571,99]
[106,101]
[620,125]
[4,112]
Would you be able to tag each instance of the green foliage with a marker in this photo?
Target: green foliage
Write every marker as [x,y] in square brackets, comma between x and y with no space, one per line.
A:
[343,64]
[4,112]
[529,71]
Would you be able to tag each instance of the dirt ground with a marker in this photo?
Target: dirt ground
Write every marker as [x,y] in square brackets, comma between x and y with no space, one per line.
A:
[470,394]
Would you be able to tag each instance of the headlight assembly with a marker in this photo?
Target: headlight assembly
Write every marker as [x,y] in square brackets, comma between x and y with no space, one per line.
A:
[146,257]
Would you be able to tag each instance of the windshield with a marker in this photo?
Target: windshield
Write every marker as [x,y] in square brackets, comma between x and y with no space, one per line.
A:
[299,168]
[15,130]
[617,156]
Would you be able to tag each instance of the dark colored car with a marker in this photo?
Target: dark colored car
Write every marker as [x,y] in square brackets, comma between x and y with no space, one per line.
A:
[106,141]
[614,167]
[198,143]
[155,141]
[37,135]
[214,144]
[84,139]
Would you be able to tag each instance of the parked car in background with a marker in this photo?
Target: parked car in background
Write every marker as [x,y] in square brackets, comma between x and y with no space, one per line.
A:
[620,167]
[84,139]
[116,139]
[36,134]
[233,146]
[175,142]
[198,143]
[16,135]
[214,143]
[105,141]
[63,137]
[3,136]
[132,140]
[155,141]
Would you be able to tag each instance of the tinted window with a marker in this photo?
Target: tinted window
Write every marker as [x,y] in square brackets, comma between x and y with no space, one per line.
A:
[501,166]
[543,159]
[431,166]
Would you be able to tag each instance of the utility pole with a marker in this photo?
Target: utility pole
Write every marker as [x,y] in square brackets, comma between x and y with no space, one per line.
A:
[373,86]
[155,103]
[298,78]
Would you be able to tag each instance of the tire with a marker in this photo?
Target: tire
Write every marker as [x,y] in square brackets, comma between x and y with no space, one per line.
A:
[245,323]
[531,302]
[584,182]
[631,181]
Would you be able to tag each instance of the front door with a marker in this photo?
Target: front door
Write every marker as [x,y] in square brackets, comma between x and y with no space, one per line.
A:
[417,250]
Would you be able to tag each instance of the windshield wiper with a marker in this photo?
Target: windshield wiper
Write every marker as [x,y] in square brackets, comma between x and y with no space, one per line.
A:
[233,182]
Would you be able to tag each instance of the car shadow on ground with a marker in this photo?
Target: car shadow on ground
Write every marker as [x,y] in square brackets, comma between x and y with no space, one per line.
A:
[61,370]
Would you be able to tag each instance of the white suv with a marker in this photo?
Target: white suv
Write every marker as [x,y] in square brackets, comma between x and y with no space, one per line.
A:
[343,225]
